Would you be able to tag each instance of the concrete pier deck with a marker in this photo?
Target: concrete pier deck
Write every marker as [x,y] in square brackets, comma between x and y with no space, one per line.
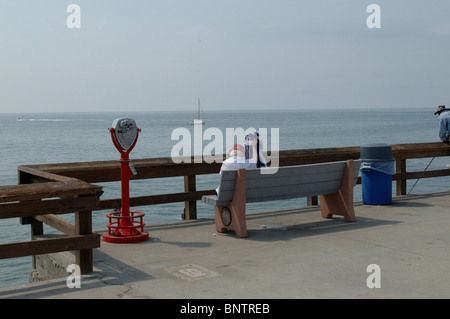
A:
[291,253]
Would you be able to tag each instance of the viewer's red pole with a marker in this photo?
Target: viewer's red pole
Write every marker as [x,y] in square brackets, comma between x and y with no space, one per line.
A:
[125,228]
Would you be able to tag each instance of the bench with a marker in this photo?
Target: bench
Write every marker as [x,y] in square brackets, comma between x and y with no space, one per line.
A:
[333,181]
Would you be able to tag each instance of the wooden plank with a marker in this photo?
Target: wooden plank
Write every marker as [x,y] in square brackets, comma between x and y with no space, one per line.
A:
[420,150]
[401,183]
[213,200]
[190,207]
[85,171]
[422,174]
[155,199]
[300,170]
[58,223]
[28,192]
[287,191]
[107,171]
[282,191]
[47,246]
[288,171]
[53,206]
[83,222]
[83,219]
[85,259]
[312,201]
[319,155]
[294,180]
[29,173]
[279,186]
[83,226]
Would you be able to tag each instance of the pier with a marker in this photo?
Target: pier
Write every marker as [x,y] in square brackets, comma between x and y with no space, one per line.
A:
[287,254]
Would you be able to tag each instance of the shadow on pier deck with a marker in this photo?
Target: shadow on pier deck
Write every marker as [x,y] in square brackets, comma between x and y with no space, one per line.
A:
[289,254]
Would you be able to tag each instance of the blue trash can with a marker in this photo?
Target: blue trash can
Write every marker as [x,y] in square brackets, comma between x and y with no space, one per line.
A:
[377,169]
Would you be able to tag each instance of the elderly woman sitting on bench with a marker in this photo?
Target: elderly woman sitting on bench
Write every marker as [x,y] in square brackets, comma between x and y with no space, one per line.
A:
[247,157]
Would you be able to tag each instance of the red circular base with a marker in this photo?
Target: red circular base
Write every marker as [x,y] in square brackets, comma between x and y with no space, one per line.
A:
[126,239]
[125,229]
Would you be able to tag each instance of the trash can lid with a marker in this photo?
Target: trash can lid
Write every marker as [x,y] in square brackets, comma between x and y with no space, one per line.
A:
[376,152]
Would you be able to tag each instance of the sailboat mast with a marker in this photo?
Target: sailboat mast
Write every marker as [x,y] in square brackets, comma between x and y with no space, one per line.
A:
[198,120]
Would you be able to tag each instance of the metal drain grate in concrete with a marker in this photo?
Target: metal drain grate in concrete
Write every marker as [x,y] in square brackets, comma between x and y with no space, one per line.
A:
[191,272]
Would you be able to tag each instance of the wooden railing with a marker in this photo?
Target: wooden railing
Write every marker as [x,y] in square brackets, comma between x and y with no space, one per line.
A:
[71,184]
[403,152]
[40,203]
[108,171]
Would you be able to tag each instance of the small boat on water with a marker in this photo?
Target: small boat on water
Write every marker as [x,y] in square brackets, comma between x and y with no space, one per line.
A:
[198,120]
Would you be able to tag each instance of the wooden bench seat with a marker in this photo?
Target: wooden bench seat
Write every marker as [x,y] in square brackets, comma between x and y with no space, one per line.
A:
[333,181]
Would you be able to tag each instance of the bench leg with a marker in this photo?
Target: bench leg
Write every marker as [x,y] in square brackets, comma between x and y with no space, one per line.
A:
[341,203]
[236,209]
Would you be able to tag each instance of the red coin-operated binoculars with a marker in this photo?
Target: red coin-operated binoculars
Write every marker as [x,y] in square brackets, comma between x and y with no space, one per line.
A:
[125,226]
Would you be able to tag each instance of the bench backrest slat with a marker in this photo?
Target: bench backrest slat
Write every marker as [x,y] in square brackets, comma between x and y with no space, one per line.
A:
[287,182]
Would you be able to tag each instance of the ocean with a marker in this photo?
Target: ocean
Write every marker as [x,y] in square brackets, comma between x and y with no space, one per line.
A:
[38,138]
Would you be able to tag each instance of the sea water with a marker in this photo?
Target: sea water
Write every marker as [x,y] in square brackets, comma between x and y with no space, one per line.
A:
[38,138]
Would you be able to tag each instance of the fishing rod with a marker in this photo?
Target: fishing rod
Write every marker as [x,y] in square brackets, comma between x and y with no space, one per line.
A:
[419,177]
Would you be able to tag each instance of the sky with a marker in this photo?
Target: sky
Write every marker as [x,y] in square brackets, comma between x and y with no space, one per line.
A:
[232,54]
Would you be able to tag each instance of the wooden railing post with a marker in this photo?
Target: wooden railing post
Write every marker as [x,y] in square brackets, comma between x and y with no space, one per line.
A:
[190,207]
[312,201]
[400,169]
[37,229]
[83,226]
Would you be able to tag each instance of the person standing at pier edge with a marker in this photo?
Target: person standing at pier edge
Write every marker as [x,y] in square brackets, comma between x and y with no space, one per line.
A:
[444,123]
